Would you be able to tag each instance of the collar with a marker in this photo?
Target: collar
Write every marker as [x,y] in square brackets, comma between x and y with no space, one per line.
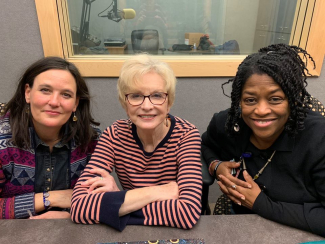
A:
[36,141]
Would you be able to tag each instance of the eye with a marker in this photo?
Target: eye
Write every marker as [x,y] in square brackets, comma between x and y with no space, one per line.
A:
[66,95]
[276,100]
[157,95]
[135,96]
[250,101]
[45,90]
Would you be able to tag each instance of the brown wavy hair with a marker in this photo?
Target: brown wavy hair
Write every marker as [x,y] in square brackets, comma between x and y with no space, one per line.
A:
[82,130]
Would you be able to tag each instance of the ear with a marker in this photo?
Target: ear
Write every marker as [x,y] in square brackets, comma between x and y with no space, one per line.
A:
[168,108]
[76,105]
[27,93]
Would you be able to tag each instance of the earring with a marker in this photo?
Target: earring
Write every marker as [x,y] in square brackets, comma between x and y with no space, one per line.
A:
[167,120]
[75,118]
[236,127]
[27,109]
[129,124]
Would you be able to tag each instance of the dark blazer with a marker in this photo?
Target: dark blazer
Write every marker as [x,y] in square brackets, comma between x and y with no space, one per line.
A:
[295,178]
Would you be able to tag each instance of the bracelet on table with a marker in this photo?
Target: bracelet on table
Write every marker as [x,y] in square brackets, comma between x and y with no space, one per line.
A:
[215,168]
[46,201]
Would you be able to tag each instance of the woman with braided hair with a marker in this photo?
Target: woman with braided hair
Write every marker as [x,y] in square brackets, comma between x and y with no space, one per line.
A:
[267,150]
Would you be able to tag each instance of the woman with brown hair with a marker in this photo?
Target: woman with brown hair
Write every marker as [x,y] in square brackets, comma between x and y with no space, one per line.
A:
[47,135]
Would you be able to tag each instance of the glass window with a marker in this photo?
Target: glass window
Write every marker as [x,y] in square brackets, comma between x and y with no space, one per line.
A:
[182,27]
[98,35]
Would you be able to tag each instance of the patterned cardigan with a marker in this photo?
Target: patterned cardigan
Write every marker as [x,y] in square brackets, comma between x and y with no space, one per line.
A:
[17,172]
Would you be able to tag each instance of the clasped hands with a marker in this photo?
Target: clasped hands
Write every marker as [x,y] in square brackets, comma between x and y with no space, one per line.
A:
[103,183]
[241,192]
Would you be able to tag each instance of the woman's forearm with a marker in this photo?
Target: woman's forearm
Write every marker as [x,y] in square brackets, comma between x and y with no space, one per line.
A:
[138,198]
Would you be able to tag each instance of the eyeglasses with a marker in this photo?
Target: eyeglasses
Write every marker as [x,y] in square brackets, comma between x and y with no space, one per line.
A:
[137,99]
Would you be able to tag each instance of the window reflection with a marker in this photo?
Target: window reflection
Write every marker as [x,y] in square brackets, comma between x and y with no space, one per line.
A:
[169,27]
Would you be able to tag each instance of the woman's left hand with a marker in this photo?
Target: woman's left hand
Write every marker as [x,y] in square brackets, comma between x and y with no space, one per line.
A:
[103,183]
[250,194]
[52,215]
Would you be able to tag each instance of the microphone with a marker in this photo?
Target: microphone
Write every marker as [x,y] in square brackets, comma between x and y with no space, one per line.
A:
[117,16]
[128,13]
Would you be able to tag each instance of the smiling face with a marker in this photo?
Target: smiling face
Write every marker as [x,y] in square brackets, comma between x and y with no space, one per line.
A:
[265,109]
[52,99]
[148,116]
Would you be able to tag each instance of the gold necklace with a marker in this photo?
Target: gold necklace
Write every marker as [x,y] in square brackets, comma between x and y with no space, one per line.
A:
[262,169]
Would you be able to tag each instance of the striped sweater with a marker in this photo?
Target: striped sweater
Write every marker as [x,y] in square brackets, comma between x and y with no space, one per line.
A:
[176,158]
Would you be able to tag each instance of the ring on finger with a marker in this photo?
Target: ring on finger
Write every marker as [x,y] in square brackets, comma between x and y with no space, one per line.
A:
[234,187]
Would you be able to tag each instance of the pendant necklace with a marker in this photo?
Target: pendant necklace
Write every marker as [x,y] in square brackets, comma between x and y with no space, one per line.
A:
[262,169]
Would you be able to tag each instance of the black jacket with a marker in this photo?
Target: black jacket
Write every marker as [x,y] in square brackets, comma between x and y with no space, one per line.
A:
[295,178]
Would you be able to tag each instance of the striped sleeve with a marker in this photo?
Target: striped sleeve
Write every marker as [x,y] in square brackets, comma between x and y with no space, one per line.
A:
[86,208]
[185,211]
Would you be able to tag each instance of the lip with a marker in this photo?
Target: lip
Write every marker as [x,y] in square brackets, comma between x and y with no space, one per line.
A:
[263,122]
[51,112]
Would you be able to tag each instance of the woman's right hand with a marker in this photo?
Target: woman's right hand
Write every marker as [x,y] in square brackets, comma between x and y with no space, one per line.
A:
[103,183]
[225,169]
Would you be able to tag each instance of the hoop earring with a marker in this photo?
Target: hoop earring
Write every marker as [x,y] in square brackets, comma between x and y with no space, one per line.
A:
[236,127]
[167,120]
[74,118]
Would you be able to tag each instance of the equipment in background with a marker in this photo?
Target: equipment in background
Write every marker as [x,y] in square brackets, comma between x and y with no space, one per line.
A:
[112,14]
[114,42]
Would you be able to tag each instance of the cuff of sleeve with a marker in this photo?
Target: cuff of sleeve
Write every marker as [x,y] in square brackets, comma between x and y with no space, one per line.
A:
[260,205]
[109,210]
[22,204]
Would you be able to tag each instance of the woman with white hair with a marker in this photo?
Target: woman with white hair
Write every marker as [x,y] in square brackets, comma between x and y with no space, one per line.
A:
[155,155]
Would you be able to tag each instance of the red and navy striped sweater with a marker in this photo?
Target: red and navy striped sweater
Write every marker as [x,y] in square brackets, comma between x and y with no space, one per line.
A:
[176,158]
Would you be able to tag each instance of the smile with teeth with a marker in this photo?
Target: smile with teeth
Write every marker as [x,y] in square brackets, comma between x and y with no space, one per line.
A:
[263,123]
[147,116]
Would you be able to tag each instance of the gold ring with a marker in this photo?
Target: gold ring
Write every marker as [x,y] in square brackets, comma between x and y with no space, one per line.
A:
[233,187]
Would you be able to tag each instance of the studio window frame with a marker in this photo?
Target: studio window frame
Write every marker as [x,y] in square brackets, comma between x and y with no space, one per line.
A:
[309,33]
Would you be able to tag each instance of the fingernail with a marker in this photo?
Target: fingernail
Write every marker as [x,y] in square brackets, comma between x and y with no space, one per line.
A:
[245,172]
[242,198]
[249,186]
[219,176]
[239,203]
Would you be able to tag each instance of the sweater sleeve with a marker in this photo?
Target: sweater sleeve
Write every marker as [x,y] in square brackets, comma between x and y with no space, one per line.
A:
[14,207]
[101,207]
[186,210]
[214,139]
[308,216]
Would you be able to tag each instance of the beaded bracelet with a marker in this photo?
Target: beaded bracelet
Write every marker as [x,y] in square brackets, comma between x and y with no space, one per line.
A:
[216,167]
[46,201]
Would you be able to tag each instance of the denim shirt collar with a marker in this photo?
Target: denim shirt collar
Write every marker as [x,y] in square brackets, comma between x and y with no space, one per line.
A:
[36,141]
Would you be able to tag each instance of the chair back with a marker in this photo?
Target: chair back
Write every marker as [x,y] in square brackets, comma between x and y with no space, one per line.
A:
[145,41]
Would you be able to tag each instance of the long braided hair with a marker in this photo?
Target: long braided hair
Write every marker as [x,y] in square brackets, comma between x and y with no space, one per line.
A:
[283,63]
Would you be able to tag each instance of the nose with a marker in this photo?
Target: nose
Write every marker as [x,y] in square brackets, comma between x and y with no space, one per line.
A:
[146,105]
[262,108]
[54,100]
